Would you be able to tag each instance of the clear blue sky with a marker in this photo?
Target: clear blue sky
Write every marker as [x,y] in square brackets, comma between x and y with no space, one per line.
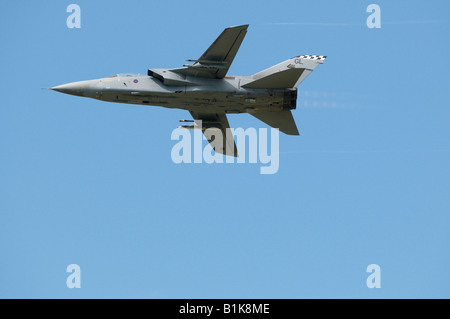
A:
[92,183]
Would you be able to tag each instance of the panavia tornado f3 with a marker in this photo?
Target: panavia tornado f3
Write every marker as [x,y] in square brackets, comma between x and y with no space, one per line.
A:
[204,89]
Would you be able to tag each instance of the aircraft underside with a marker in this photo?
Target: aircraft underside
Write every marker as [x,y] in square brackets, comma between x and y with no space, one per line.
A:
[228,102]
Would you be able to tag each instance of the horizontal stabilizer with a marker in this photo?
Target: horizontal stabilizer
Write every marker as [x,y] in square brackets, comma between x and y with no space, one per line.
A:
[281,120]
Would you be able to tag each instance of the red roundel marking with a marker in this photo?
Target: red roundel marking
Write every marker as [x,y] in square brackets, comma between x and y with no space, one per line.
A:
[135,81]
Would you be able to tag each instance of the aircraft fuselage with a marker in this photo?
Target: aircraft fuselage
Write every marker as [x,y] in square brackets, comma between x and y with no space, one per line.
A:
[210,95]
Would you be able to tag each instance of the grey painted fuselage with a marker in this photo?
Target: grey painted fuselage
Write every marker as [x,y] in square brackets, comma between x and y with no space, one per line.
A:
[204,89]
[201,95]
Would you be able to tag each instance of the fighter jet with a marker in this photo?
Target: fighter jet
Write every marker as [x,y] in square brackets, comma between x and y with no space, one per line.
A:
[204,89]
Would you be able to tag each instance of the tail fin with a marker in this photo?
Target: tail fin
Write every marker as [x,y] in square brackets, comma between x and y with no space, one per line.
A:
[287,74]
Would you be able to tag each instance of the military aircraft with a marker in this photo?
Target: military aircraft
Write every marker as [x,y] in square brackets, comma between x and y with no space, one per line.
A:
[204,89]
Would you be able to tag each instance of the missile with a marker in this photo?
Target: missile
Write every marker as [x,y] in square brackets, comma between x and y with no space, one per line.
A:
[190,127]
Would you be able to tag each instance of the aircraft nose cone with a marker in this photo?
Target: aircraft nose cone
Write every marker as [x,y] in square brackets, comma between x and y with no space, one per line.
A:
[76,88]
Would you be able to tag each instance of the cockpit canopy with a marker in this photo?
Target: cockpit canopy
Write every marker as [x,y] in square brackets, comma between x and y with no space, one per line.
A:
[123,75]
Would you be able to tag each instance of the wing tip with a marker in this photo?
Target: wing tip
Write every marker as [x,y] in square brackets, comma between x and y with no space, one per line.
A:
[243,26]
